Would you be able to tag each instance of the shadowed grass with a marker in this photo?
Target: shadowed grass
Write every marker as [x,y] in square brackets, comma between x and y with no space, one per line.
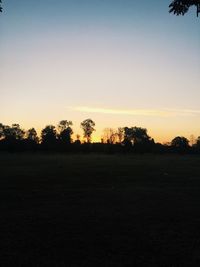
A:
[99,210]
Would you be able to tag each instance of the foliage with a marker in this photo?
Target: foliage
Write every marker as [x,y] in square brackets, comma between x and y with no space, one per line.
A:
[181,7]
[13,133]
[124,139]
[88,128]
[180,143]
[135,135]
[65,131]
[49,134]
[31,135]
[109,136]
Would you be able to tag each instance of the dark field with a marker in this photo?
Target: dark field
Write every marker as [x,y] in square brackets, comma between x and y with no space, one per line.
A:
[98,210]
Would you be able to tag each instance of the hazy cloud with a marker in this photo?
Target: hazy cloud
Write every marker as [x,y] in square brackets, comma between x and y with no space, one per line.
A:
[138,112]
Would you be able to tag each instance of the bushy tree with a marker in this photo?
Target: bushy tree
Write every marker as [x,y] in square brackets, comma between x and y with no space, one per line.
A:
[65,131]
[13,133]
[88,128]
[135,135]
[31,135]
[49,135]
[180,143]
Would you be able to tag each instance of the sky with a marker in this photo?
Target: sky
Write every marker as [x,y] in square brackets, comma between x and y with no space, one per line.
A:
[118,62]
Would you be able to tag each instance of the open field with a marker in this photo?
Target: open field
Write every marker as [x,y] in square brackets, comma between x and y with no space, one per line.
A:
[99,210]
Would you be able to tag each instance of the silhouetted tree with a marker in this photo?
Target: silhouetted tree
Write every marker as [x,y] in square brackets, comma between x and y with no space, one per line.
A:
[180,144]
[13,133]
[49,135]
[180,7]
[135,135]
[109,136]
[31,142]
[31,135]
[88,128]
[135,139]
[128,136]
[65,131]
[138,138]
[0,6]
[11,137]
[140,135]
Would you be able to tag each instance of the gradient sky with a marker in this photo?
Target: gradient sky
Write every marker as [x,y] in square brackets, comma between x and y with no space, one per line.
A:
[118,62]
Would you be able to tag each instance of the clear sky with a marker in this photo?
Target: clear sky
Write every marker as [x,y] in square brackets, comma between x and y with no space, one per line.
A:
[118,62]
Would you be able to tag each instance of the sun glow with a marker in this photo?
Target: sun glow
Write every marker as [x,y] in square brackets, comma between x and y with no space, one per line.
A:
[112,61]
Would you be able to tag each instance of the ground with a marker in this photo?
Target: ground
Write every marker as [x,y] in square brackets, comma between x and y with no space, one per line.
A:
[99,210]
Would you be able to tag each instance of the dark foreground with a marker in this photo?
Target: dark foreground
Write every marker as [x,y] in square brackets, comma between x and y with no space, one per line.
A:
[90,210]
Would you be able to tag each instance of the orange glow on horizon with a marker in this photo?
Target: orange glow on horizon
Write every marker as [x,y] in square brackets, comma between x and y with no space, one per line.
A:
[162,133]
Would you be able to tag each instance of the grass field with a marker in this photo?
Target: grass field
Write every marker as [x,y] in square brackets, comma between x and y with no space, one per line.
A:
[99,210]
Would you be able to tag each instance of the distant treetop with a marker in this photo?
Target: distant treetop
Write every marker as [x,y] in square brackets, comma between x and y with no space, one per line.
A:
[180,7]
[0,6]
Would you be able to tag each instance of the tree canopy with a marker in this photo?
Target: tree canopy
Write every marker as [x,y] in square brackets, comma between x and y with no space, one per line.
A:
[88,128]
[180,143]
[65,131]
[180,7]
[31,135]
[49,134]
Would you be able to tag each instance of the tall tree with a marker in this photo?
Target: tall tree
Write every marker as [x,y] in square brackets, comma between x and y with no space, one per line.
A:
[88,128]
[65,131]
[49,135]
[180,7]
[31,135]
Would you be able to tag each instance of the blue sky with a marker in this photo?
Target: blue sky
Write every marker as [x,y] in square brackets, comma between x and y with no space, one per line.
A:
[119,62]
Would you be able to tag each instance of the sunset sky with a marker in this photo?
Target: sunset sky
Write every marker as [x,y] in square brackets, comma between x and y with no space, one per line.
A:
[118,62]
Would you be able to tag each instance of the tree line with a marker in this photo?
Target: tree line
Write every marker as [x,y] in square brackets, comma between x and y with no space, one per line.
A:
[59,138]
